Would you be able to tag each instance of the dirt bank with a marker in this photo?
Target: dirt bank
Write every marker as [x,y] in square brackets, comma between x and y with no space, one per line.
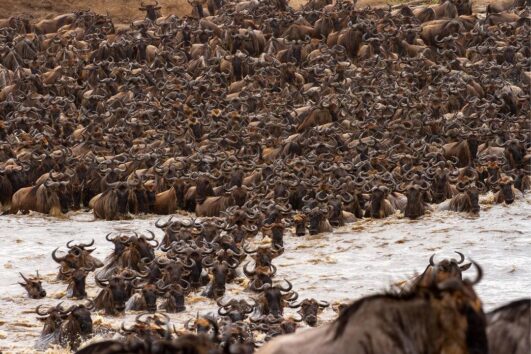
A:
[124,11]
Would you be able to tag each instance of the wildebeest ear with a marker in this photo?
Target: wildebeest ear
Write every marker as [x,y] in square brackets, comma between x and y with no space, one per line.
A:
[465,267]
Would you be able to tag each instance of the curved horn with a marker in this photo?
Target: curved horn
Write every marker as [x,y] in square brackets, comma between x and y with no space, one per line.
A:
[432,263]
[462,259]
[55,258]
[288,288]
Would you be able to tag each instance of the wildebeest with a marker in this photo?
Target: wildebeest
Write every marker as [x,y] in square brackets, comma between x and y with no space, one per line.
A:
[273,299]
[219,271]
[506,192]
[52,319]
[317,220]
[447,317]
[75,326]
[467,200]
[113,204]
[383,202]
[114,294]
[444,270]
[235,310]
[33,286]
[47,198]
[152,11]
[78,256]
[416,205]
[309,310]
[146,298]
[509,328]
[174,301]
[76,281]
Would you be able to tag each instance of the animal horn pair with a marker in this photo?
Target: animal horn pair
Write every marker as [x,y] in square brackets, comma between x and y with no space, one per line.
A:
[461,260]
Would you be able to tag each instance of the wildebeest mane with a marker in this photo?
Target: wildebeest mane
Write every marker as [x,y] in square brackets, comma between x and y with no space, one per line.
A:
[342,321]
[515,308]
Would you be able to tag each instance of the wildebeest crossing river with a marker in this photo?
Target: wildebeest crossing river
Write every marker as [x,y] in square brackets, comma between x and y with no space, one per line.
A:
[211,183]
[353,261]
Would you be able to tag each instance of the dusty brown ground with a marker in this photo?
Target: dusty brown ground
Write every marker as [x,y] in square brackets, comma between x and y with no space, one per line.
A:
[124,11]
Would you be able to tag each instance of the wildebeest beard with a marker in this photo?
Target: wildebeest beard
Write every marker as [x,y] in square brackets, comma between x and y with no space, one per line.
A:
[414,204]
[516,153]
[376,203]
[507,191]
[473,197]
[122,194]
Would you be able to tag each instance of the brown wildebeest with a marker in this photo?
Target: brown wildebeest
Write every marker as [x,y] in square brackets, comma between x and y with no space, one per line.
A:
[152,11]
[33,286]
[506,192]
[113,295]
[444,270]
[309,309]
[112,204]
[467,200]
[76,279]
[47,198]
[443,318]
[509,328]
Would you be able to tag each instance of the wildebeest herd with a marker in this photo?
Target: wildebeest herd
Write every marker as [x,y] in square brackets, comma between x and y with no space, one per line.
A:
[259,118]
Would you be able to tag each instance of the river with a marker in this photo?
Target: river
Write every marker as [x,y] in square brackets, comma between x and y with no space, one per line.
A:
[356,260]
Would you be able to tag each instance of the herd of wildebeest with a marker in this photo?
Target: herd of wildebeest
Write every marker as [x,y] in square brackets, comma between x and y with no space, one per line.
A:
[260,118]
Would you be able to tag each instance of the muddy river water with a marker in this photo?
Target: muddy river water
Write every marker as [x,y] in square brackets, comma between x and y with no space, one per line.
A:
[353,261]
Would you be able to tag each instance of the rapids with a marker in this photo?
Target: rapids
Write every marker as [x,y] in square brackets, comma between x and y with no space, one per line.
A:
[356,260]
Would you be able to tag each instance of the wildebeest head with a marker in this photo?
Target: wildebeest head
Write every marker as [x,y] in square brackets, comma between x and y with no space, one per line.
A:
[316,217]
[71,260]
[452,307]
[309,309]
[219,273]
[77,324]
[152,11]
[471,192]
[114,294]
[175,297]
[204,324]
[506,189]
[119,243]
[148,327]
[203,189]
[149,294]
[121,190]
[86,259]
[415,204]
[277,234]
[514,151]
[146,249]
[300,224]
[263,256]
[378,195]
[172,271]
[443,270]
[51,318]
[76,279]
[56,195]
[235,310]
[273,298]
[440,185]
[33,286]
[260,275]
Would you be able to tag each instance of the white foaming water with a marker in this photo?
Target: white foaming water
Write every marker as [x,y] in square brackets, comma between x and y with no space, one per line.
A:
[356,260]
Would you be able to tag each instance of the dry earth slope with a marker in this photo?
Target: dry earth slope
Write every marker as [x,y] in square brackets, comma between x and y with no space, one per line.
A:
[125,11]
